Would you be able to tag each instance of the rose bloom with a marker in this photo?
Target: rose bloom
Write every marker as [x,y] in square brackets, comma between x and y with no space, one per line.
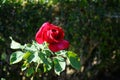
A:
[53,35]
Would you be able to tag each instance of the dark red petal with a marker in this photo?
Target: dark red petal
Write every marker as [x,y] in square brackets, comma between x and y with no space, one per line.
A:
[40,34]
[60,30]
[54,34]
[51,37]
[63,44]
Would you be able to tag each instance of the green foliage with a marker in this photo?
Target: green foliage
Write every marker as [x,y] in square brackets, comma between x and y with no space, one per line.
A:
[74,60]
[59,65]
[15,45]
[35,55]
[29,71]
[16,57]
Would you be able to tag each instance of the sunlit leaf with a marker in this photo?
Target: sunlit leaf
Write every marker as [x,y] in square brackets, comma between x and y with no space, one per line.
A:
[47,67]
[59,65]
[74,60]
[47,63]
[16,57]
[36,58]
[15,45]
[38,46]
[61,52]
[44,58]
[47,53]
[26,55]
[30,58]
[24,66]
[29,47]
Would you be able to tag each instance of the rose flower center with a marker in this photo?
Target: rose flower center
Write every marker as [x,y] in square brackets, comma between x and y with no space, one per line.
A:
[55,34]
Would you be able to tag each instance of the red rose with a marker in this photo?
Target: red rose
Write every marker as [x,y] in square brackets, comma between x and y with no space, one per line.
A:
[52,34]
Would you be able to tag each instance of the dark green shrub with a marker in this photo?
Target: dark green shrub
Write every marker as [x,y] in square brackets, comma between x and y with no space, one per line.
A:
[92,27]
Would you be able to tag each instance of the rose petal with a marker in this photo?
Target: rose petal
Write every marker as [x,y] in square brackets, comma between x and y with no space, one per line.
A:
[40,34]
[54,34]
[63,44]
[51,37]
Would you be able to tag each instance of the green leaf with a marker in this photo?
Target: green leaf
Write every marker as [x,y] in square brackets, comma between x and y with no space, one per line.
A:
[31,57]
[26,55]
[38,46]
[47,63]
[24,66]
[59,65]
[47,67]
[16,57]
[29,71]
[15,45]
[36,58]
[47,52]
[74,60]
[61,52]
[44,58]
[30,47]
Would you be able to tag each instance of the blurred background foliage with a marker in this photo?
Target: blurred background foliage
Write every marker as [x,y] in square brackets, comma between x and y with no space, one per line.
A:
[91,26]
